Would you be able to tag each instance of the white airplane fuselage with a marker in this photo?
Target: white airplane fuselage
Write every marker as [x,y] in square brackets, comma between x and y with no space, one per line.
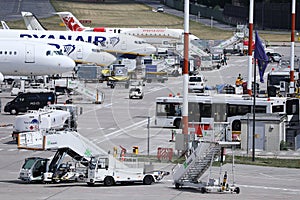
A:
[83,52]
[119,44]
[19,57]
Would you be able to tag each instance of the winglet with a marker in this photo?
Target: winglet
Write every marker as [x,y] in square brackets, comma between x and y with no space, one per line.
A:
[4,25]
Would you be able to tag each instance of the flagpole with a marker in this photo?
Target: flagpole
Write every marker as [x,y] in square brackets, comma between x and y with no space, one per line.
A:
[262,59]
[253,111]
[250,47]
[292,60]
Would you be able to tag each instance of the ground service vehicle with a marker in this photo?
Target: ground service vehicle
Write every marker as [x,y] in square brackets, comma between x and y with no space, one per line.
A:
[136,90]
[205,110]
[29,101]
[216,60]
[44,118]
[54,117]
[278,82]
[33,169]
[37,169]
[118,75]
[196,83]
[24,86]
[151,74]
[107,170]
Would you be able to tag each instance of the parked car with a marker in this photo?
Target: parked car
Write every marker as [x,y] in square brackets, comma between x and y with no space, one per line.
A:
[160,9]
[274,57]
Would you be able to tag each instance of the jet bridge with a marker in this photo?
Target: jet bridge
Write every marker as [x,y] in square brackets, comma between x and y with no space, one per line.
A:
[190,172]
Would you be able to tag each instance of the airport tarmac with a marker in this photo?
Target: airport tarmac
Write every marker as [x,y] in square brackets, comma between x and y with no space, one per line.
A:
[120,121]
[123,121]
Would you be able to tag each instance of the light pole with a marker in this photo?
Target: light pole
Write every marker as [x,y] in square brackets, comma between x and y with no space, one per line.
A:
[148,138]
[148,134]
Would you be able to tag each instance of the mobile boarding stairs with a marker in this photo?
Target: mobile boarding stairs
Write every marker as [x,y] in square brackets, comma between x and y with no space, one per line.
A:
[93,94]
[198,162]
[66,142]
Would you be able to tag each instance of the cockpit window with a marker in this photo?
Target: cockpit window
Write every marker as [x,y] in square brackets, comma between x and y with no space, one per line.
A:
[96,50]
[59,52]
[139,42]
[51,53]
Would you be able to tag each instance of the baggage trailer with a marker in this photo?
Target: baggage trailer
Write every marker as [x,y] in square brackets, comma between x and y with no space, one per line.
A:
[151,74]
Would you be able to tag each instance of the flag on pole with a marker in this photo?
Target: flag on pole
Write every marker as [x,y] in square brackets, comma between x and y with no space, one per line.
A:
[261,57]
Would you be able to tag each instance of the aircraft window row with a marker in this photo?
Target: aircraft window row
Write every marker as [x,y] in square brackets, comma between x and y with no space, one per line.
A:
[8,53]
[150,34]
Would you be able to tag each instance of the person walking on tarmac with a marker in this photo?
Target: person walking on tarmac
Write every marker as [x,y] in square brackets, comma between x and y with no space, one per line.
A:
[225,59]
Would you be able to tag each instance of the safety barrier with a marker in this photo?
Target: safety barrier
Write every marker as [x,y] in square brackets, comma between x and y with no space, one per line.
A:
[164,154]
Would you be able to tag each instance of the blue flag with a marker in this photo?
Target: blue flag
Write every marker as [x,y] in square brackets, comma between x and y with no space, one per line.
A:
[261,57]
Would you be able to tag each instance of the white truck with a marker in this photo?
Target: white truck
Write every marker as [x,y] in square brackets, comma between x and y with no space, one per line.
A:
[110,171]
[23,86]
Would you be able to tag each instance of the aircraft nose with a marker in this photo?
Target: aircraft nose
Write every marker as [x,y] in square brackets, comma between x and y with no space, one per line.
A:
[109,59]
[149,49]
[101,59]
[66,63]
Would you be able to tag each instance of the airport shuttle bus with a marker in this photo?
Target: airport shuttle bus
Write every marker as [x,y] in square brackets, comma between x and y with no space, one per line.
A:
[204,110]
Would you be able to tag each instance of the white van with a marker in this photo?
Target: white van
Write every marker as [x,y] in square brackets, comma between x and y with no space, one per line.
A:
[196,83]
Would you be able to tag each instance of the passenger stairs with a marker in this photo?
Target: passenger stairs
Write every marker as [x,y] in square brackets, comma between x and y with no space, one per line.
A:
[200,159]
[93,94]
